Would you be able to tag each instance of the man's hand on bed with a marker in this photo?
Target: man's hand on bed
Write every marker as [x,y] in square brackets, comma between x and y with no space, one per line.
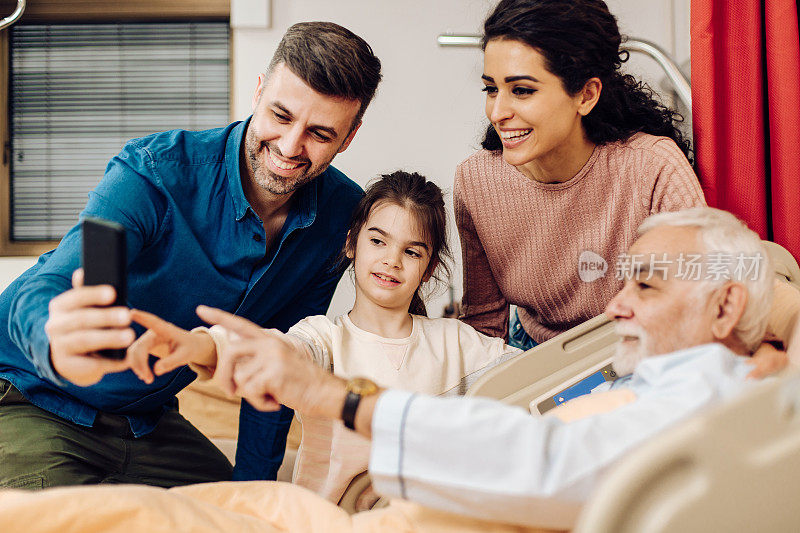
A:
[174,346]
[268,369]
[784,320]
[767,360]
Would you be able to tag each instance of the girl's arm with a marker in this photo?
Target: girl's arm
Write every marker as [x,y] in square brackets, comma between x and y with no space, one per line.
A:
[313,337]
[174,347]
[470,379]
[222,339]
[479,353]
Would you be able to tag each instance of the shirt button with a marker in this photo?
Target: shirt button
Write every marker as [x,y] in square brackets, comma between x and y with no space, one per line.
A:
[256,237]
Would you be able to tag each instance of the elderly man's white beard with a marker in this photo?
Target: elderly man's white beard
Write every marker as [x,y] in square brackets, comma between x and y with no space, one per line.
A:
[627,357]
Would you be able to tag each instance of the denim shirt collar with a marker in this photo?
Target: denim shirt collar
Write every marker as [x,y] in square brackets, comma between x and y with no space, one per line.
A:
[304,206]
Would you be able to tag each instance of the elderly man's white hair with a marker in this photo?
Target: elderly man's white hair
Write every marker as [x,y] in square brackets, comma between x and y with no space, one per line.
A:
[722,232]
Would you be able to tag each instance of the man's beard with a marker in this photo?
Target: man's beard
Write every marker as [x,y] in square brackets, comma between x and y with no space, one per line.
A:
[627,358]
[268,180]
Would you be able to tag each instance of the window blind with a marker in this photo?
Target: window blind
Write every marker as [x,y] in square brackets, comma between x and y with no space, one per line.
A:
[79,92]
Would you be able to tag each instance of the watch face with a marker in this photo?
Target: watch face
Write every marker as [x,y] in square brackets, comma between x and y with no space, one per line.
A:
[362,386]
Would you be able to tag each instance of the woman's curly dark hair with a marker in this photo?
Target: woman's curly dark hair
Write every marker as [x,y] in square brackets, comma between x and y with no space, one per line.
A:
[579,40]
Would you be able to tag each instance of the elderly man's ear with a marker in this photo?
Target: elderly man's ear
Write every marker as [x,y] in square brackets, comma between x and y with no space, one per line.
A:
[728,303]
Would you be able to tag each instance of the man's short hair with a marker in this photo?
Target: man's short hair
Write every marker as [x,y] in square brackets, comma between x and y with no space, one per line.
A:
[721,232]
[332,60]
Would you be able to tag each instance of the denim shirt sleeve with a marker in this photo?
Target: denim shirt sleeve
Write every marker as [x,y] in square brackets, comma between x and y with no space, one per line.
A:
[127,194]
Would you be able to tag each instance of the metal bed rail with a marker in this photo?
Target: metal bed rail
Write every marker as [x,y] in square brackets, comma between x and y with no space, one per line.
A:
[682,87]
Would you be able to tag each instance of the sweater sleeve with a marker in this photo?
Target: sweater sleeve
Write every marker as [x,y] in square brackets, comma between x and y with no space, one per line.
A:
[222,339]
[483,305]
[676,186]
[314,334]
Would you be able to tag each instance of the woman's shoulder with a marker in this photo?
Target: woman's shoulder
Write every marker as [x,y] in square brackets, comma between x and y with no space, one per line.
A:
[642,158]
[658,171]
[647,147]
[481,165]
[483,155]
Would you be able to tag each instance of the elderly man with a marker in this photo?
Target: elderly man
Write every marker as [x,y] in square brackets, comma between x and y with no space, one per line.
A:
[685,338]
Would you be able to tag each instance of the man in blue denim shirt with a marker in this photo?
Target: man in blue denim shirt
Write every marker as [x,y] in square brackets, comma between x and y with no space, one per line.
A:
[249,218]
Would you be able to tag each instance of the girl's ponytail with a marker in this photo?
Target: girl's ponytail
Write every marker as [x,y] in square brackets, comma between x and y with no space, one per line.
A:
[417,306]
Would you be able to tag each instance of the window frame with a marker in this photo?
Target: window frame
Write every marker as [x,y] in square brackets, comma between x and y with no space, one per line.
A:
[78,11]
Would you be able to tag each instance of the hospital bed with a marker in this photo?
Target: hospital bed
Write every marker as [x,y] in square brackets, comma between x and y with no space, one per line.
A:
[549,367]
[733,468]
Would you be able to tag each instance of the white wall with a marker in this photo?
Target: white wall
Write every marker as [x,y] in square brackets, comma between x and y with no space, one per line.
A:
[428,113]
[11,267]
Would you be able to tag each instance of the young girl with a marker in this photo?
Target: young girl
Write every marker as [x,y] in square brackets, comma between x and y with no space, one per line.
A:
[397,242]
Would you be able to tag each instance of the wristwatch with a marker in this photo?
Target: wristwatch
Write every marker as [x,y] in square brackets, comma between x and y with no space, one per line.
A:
[356,388]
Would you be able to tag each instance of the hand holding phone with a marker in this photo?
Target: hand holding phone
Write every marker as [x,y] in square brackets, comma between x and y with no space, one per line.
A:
[105,263]
[84,322]
[80,324]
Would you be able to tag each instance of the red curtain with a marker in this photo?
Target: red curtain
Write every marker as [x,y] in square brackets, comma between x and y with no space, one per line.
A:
[746,112]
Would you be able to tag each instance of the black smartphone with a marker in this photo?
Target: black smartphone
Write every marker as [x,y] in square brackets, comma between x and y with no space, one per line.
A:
[105,263]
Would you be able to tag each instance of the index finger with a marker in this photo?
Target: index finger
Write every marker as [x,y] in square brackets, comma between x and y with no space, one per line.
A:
[138,356]
[243,327]
[155,323]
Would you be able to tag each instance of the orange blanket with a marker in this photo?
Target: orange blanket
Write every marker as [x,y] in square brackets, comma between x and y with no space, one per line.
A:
[244,507]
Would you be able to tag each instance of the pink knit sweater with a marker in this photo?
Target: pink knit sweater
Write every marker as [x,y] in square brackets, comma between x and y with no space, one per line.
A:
[521,240]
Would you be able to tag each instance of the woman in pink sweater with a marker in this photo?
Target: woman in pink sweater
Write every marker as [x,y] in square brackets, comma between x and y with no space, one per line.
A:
[577,155]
